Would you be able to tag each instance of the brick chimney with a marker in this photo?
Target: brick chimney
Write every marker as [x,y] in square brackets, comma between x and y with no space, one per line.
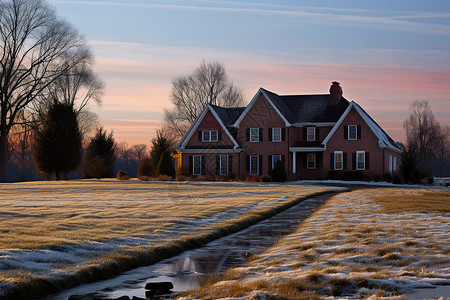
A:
[335,92]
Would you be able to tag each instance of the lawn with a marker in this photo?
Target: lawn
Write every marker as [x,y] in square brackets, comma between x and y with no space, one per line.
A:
[366,242]
[52,231]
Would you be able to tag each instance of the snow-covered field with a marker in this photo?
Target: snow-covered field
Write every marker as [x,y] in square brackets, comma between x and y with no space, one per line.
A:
[54,229]
[378,242]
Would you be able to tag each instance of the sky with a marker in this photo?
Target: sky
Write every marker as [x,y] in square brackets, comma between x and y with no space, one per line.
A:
[385,54]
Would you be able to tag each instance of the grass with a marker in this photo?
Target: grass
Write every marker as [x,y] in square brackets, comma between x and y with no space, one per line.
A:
[152,220]
[360,243]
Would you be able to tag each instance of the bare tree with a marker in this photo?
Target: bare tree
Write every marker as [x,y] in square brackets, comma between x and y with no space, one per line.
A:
[140,151]
[442,149]
[36,48]
[422,131]
[125,153]
[191,93]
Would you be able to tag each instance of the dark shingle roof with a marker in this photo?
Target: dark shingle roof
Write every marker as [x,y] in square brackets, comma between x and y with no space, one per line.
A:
[308,108]
[228,115]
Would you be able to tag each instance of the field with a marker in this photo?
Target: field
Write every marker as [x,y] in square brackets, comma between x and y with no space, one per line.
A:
[57,234]
[381,242]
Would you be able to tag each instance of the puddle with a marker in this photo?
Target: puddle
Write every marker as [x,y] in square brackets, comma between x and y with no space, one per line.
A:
[216,257]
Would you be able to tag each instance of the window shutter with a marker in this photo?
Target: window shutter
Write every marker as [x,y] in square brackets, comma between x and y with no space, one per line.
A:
[283,134]
[247,162]
[282,158]
[260,134]
[247,134]
[200,133]
[305,134]
[332,161]
[367,160]
[219,135]
[217,164]
[358,132]
[354,160]
[318,157]
[345,161]
[203,165]
[345,132]
[191,164]
[270,135]
[260,165]
[305,160]
[230,164]
[270,164]
[317,134]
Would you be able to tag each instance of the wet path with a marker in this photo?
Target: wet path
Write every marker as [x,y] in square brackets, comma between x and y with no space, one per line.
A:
[214,258]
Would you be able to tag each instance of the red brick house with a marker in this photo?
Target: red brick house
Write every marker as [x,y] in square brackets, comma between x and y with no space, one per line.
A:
[316,136]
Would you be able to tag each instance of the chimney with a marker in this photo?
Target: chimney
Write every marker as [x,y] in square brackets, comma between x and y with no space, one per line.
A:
[335,92]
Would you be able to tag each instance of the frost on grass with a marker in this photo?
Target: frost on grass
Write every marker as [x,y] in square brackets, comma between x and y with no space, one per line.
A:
[354,246]
[53,229]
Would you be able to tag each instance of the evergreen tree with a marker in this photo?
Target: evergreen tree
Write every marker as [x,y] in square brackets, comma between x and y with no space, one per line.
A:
[100,156]
[160,144]
[278,172]
[145,168]
[165,165]
[57,147]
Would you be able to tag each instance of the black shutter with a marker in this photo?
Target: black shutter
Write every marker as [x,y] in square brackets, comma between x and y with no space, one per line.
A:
[270,135]
[247,162]
[318,157]
[358,132]
[220,135]
[203,159]
[260,134]
[270,164]
[305,160]
[247,134]
[331,161]
[345,132]
[200,135]
[317,134]
[354,160]
[305,134]
[260,165]
[283,134]
[345,161]
[191,164]
[217,164]
[367,161]
[230,164]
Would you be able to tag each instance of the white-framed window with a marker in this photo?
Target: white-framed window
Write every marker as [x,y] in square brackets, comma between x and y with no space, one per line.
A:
[276,135]
[254,164]
[223,161]
[338,160]
[210,136]
[275,158]
[196,165]
[392,163]
[360,160]
[311,161]
[310,133]
[254,134]
[352,132]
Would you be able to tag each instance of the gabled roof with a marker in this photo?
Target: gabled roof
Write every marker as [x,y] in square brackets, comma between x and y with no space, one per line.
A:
[295,109]
[224,116]
[384,140]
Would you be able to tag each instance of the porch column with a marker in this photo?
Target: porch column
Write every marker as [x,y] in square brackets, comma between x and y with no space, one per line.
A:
[294,162]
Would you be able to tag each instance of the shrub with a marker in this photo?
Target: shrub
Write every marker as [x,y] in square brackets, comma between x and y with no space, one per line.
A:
[265,178]
[182,178]
[279,172]
[145,168]
[397,179]
[100,156]
[122,175]
[165,165]
[164,178]
[387,177]
[252,178]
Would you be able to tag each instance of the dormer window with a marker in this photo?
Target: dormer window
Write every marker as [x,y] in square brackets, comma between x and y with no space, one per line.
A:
[311,133]
[352,132]
[210,136]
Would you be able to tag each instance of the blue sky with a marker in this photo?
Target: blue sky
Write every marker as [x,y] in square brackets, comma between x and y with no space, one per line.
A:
[386,54]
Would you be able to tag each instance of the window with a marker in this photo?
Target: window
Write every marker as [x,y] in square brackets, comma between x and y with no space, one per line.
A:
[392,163]
[197,165]
[360,160]
[223,160]
[276,134]
[352,132]
[254,134]
[311,161]
[275,158]
[338,160]
[311,133]
[210,136]
[254,164]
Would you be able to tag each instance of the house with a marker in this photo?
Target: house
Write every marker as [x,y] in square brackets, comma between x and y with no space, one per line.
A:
[315,136]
